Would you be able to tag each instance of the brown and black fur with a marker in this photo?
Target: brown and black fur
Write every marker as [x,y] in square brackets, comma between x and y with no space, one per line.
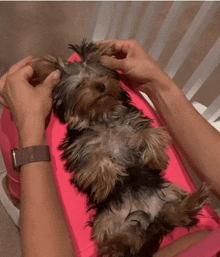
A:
[116,157]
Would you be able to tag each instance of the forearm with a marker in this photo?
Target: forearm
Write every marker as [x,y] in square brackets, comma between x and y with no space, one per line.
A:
[44,230]
[198,140]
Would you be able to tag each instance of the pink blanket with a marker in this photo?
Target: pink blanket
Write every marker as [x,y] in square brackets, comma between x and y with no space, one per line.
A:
[74,203]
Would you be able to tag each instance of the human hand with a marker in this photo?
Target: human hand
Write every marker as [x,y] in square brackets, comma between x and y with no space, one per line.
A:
[135,63]
[26,103]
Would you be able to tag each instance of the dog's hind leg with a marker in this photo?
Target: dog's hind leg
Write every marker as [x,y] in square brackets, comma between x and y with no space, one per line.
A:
[184,213]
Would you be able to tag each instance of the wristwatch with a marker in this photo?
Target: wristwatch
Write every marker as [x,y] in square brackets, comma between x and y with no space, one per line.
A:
[29,154]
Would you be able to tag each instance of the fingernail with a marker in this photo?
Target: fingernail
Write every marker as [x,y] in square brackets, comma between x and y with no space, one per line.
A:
[57,74]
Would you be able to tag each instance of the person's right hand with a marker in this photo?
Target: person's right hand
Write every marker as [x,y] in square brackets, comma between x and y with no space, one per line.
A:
[25,102]
[135,63]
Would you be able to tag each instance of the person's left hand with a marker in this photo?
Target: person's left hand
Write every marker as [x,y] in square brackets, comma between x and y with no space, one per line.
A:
[24,101]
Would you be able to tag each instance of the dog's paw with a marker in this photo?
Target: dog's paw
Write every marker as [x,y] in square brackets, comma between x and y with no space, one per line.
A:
[184,213]
[198,198]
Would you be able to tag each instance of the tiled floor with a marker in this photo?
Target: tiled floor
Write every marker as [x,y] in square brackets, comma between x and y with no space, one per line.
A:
[10,237]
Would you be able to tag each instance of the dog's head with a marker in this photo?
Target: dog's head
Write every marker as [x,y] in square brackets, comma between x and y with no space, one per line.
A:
[87,92]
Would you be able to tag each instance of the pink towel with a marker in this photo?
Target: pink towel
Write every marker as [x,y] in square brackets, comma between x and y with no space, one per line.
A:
[74,203]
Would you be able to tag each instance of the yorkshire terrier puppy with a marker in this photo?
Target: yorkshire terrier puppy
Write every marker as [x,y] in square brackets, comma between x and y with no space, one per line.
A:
[116,157]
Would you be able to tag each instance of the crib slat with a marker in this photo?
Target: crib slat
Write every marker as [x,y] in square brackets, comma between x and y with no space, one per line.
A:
[202,19]
[89,32]
[212,114]
[103,20]
[119,9]
[213,111]
[167,28]
[203,71]
[130,20]
[147,21]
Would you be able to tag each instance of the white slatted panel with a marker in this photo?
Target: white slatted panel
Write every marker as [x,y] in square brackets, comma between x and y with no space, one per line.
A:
[213,111]
[119,9]
[90,29]
[130,20]
[103,20]
[147,22]
[169,25]
[110,21]
[203,71]
[202,109]
[202,19]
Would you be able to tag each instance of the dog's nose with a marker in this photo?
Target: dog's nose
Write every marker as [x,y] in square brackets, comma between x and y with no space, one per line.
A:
[100,87]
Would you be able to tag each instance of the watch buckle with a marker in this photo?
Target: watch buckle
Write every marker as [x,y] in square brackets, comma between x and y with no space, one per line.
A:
[15,167]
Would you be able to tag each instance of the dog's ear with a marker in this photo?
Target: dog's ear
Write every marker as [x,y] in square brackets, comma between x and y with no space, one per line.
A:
[43,67]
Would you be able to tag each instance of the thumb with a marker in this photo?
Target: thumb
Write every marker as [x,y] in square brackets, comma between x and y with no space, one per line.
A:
[52,79]
[112,63]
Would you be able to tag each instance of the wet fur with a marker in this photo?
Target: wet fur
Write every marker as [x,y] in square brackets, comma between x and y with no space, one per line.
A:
[116,157]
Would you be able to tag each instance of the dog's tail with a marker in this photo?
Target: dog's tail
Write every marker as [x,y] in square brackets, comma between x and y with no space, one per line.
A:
[138,237]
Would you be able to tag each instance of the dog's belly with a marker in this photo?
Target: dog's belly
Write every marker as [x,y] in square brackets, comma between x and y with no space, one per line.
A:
[114,142]
[146,201]
[115,219]
[143,209]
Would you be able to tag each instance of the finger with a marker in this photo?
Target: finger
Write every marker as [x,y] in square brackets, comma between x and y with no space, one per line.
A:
[2,82]
[20,64]
[104,41]
[52,79]
[112,63]
[26,72]
[3,102]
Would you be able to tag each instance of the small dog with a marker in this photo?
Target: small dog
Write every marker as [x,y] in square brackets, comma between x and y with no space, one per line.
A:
[116,156]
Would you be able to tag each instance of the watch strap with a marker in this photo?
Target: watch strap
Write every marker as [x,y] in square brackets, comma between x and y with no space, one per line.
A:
[30,154]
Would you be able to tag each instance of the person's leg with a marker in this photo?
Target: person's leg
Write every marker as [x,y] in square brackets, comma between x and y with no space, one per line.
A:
[181,244]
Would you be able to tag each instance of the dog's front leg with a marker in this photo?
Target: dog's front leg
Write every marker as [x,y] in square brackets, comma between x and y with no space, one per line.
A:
[151,144]
[99,176]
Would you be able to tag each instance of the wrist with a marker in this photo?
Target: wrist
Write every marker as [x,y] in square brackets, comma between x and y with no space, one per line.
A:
[158,87]
[164,96]
[32,133]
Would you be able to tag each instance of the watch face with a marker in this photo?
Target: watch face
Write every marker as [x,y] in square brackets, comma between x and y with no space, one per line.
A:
[13,156]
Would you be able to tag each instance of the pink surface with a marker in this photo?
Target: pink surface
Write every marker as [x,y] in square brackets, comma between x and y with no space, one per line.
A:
[74,203]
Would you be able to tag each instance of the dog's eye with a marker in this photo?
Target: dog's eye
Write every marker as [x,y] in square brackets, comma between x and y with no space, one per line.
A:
[101,87]
[77,86]
[81,83]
